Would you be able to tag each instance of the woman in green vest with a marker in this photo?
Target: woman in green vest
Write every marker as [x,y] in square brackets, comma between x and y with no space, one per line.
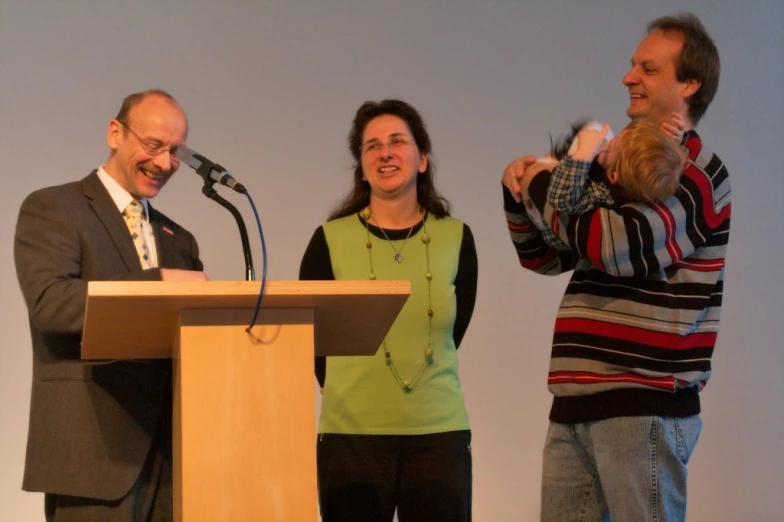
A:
[394,431]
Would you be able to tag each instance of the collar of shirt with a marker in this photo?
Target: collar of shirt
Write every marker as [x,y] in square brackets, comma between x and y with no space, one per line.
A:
[119,195]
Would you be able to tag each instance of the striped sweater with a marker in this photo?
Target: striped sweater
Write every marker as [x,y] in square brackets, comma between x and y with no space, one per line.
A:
[638,323]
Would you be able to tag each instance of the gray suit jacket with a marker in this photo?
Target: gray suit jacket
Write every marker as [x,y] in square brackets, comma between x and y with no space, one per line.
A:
[91,422]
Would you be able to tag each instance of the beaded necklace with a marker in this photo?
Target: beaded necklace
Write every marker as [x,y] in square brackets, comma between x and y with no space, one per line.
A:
[407,385]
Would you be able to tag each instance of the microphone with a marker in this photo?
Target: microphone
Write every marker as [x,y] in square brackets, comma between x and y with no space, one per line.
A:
[208,170]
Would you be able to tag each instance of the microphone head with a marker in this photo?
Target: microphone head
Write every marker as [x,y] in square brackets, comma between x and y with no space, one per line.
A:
[188,156]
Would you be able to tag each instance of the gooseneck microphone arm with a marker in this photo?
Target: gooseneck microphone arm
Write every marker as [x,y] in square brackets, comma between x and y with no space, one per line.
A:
[204,171]
[213,173]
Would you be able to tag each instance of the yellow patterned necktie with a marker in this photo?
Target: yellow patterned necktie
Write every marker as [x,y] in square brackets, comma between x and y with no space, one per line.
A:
[134,215]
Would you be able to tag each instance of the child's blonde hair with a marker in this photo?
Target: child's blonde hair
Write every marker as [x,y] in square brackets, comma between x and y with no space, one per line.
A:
[649,162]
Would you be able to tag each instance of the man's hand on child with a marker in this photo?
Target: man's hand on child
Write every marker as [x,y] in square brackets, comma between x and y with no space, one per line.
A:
[514,172]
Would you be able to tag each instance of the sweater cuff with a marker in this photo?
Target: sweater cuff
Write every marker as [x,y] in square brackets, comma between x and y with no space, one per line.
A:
[510,205]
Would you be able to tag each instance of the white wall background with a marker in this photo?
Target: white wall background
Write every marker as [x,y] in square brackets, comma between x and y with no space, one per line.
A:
[270,88]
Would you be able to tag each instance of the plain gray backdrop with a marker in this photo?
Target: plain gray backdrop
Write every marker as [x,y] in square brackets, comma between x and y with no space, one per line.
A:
[270,89]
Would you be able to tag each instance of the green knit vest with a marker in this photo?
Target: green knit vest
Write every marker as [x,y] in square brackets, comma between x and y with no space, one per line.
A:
[361,395]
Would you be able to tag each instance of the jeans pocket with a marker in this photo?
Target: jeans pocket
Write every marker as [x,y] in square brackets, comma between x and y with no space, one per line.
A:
[687,432]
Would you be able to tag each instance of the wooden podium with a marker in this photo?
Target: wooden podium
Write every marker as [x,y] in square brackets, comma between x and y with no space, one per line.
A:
[244,433]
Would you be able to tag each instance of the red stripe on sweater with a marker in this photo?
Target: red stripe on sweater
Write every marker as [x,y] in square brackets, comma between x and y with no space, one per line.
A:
[701,265]
[666,383]
[554,224]
[669,229]
[637,335]
[694,146]
[535,263]
[712,218]
[709,214]
[521,228]
[595,241]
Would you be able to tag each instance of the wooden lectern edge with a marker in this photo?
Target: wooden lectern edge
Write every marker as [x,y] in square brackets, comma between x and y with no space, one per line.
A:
[158,305]
[241,288]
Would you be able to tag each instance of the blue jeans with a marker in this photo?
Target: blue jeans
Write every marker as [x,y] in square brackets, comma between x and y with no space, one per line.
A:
[626,469]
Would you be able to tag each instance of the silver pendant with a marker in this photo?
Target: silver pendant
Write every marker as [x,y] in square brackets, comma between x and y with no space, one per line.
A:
[399,257]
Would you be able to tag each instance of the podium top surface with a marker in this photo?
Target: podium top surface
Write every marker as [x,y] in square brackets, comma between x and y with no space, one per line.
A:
[140,319]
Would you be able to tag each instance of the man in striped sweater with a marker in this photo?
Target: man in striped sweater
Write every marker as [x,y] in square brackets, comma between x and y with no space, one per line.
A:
[638,323]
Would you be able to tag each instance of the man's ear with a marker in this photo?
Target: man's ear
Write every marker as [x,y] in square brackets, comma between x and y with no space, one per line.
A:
[690,87]
[612,177]
[113,134]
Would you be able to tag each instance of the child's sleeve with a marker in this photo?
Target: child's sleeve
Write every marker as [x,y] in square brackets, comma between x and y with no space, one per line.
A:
[573,192]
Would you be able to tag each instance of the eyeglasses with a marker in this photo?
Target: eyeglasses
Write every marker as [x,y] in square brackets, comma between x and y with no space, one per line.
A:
[153,148]
[395,143]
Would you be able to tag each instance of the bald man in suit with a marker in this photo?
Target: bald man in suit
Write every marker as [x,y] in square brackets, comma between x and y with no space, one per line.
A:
[99,442]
